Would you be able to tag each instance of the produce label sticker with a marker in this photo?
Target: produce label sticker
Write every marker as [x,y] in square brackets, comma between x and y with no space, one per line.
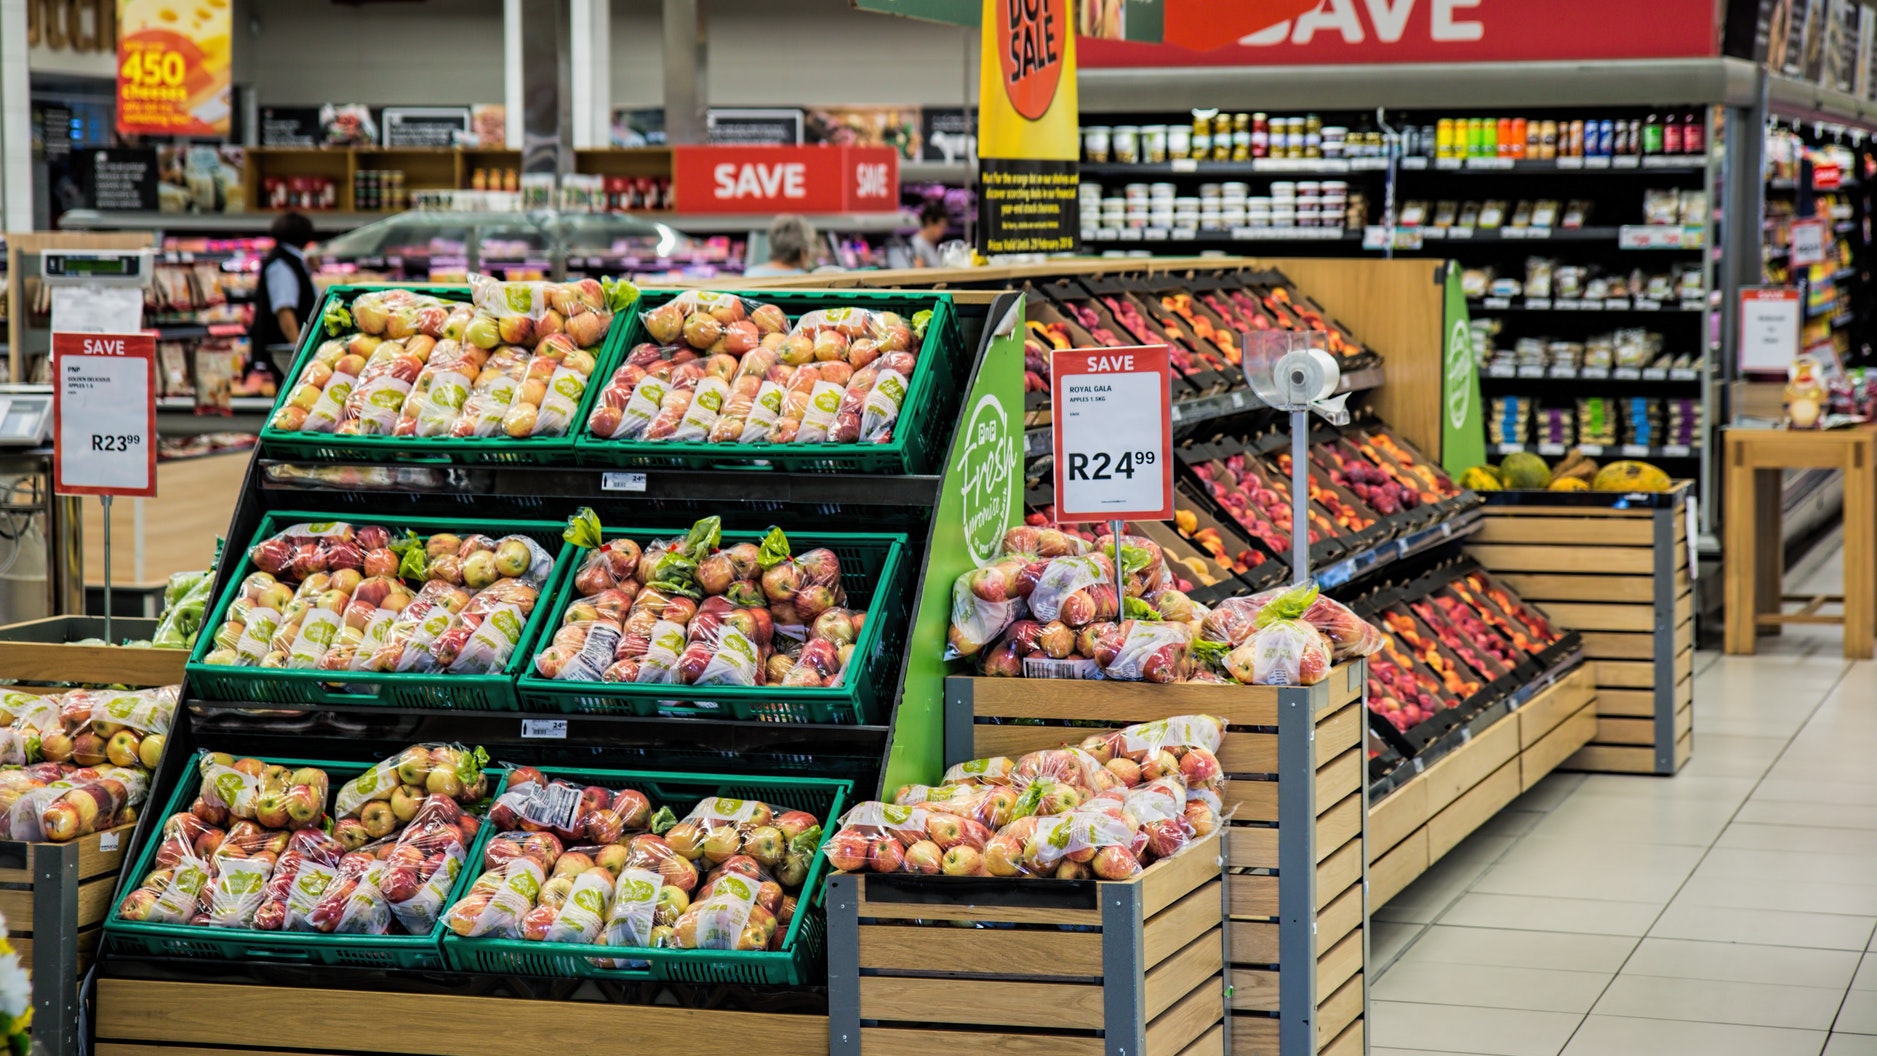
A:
[553,804]
[1113,434]
[104,414]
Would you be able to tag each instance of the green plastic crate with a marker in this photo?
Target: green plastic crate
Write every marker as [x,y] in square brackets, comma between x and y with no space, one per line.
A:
[921,436]
[328,447]
[803,945]
[432,690]
[144,939]
[875,572]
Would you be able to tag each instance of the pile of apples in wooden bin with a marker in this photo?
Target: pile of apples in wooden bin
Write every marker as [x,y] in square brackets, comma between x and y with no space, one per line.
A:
[1106,809]
[78,762]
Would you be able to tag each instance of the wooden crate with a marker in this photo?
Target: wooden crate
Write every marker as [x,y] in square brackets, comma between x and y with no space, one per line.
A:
[1506,751]
[1615,567]
[55,897]
[1296,875]
[1142,971]
[147,1017]
[43,651]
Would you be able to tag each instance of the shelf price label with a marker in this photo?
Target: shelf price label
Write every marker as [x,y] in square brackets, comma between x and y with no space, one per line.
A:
[104,414]
[1113,434]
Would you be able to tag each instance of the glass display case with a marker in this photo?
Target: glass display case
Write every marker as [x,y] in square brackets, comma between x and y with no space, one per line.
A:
[442,246]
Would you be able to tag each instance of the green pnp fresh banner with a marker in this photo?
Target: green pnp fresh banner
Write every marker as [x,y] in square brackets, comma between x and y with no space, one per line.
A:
[1462,424]
[1028,146]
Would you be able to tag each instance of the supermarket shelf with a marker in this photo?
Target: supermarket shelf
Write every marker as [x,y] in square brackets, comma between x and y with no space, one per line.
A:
[1628,164]
[237,404]
[1352,568]
[1036,442]
[1254,167]
[1667,374]
[233,223]
[955,172]
[1220,234]
[1600,450]
[1607,304]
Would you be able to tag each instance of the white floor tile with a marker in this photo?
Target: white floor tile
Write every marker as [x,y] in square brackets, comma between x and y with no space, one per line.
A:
[1859,1015]
[1816,815]
[1387,939]
[1755,836]
[1490,1031]
[1866,977]
[1623,1036]
[1578,916]
[1844,1045]
[1444,944]
[1712,1001]
[1495,986]
[1765,927]
[1741,963]
[1719,887]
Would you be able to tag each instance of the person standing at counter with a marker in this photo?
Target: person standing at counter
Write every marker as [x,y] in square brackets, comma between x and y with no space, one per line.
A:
[285,296]
[791,248]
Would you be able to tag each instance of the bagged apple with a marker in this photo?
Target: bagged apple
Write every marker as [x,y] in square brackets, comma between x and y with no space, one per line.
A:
[86,802]
[639,900]
[498,900]
[989,806]
[451,770]
[239,890]
[1042,542]
[1080,844]
[993,770]
[1185,746]
[352,904]
[1071,766]
[729,919]
[175,895]
[720,828]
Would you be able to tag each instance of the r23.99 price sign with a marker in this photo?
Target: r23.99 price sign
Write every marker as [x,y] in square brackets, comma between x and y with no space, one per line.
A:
[104,414]
[1113,431]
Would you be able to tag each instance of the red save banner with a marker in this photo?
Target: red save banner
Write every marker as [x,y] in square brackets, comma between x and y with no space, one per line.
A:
[1415,31]
[785,179]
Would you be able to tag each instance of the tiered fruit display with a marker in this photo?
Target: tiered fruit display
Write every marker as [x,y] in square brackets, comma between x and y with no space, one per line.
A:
[1188,355]
[78,762]
[1259,501]
[257,850]
[1430,651]
[1104,810]
[515,363]
[1401,691]
[691,611]
[1225,341]
[1406,465]
[333,596]
[1209,539]
[1524,471]
[1488,596]
[722,369]
[1364,479]
[1341,508]
[607,867]
[1476,642]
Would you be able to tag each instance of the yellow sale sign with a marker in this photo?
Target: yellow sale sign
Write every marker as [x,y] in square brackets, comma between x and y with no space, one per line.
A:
[173,67]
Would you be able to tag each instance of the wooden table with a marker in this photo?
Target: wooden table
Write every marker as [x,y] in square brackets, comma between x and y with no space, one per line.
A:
[1753,555]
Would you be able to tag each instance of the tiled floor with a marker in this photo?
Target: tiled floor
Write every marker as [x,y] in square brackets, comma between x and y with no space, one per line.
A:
[1728,911]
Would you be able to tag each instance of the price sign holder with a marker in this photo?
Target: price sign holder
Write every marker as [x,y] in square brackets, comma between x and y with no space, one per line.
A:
[1808,242]
[1112,436]
[1769,329]
[103,371]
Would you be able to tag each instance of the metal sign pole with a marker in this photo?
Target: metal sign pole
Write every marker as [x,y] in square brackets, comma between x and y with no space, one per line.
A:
[1299,496]
[1120,585]
[106,501]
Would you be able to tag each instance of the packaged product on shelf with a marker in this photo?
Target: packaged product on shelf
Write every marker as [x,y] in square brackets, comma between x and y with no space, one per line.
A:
[451,770]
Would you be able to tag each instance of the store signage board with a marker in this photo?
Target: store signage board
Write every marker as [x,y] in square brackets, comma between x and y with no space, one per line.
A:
[104,414]
[1029,139]
[173,68]
[1462,421]
[1826,176]
[423,126]
[753,127]
[1769,329]
[1808,242]
[1353,32]
[123,178]
[1144,21]
[1113,434]
[770,180]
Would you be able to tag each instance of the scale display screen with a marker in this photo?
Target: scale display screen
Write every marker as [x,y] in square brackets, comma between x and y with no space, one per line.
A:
[100,266]
[23,420]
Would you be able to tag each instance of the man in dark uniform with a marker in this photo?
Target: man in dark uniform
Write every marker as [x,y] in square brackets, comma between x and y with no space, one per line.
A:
[284,298]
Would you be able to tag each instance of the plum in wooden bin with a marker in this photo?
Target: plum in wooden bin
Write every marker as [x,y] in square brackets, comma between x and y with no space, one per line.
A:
[1061,966]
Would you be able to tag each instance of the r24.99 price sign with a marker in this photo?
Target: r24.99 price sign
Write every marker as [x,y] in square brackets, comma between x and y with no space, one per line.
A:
[104,414]
[1113,434]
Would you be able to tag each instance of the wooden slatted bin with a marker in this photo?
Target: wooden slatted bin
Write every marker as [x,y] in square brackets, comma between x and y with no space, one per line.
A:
[1616,567]
[1297,806]
[55,897]
[1097,968]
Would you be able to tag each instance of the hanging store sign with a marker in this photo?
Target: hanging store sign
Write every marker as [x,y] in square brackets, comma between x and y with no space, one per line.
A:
[1342,32]
[173,68]
[785,179]
[1029,144]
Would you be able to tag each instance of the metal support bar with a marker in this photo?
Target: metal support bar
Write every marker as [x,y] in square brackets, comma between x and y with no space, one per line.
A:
[1123,1000]
[843,912]
[687,71]
[959,722]
[55,949]
[1296,870]
[547,89]
[1664,649]
[1366,907]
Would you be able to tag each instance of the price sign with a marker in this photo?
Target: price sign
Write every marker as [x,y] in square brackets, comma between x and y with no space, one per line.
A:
[1769,329]
[1808,242]
[104,414]
[1113,434]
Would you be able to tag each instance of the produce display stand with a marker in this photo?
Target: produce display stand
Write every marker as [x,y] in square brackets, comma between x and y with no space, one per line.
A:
[1295,888]
[1497,755]
[1142,958]
[53,650]
[1615,566]
[145,1002]
[55,897]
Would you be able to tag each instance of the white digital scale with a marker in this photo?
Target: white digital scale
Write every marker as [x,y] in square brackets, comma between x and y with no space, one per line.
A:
[25,415]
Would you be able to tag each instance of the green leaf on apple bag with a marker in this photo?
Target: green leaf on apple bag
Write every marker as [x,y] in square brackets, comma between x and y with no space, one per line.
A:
[337,320]
[619,293]
[674,573]
[583,528]
[1290,605]
[921,320]
[774,549]
[1136,609]
[1209,652]
[663,821]
[807,841]
[414,564]
[703,538]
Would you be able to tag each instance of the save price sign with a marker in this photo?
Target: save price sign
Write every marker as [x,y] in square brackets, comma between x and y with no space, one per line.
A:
[1113,434]
[104,414]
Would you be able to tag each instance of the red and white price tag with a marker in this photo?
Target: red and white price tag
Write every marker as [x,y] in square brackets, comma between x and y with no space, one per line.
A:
[104,414]
[1769,329]
[1113,434]
[1808,242]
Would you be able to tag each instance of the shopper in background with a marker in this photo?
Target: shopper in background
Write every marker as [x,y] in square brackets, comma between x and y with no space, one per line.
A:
[284,298]
[791,248]
[934,219]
